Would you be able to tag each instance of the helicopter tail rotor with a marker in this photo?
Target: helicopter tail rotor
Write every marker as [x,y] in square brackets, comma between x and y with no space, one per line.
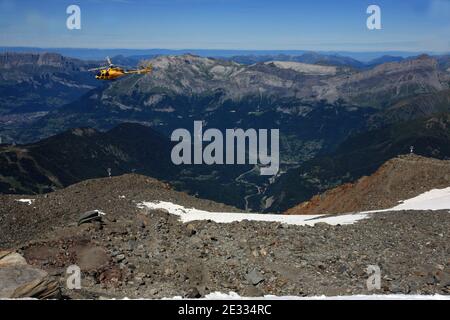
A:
[147,69]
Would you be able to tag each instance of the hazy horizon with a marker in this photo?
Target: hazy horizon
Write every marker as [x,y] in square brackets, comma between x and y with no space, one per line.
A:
[100,53]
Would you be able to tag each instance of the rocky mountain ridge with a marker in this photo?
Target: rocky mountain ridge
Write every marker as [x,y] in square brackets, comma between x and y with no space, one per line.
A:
[398,179]
[201,75]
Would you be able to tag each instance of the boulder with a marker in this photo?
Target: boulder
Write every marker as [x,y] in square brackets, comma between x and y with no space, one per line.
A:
[254,277]
[90,216]
[20,280]
[8,258]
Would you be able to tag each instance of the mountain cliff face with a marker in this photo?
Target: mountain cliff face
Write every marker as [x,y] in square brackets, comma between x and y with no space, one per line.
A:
[386,84]
[19,60]
[41,82]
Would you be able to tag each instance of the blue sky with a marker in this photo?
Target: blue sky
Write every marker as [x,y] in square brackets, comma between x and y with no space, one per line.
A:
[408,25]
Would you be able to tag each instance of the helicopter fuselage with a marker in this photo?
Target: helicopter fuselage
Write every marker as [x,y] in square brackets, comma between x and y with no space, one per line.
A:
[110,74]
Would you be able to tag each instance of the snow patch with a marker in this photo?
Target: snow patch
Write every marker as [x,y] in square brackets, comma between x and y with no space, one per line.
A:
[436,199]
[192,214]
[235,296]
[27,201]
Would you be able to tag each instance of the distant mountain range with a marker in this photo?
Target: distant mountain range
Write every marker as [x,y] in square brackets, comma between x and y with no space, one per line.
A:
[98,54]
[338,121]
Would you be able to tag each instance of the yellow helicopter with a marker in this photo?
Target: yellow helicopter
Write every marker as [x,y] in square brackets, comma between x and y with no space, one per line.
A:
[112,72]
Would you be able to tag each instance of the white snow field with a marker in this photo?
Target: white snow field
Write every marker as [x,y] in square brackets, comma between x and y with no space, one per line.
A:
[192,214]
[436,199]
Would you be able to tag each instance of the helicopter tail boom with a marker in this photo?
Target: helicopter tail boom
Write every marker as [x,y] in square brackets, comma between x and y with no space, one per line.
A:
[146,69]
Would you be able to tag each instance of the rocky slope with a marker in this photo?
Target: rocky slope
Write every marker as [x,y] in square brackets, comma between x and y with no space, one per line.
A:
[398,179]
[149,253]
[412,108]
[117,196]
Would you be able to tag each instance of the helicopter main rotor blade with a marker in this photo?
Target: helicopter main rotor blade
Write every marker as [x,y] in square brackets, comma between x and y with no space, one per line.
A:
[109,61]
[95,69]
[118,66]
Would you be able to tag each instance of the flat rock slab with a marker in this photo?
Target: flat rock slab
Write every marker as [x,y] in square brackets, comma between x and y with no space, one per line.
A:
[13,277]
[254,277]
